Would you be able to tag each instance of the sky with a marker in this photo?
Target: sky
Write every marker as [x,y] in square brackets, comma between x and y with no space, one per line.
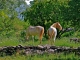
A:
[28,1]
[22,8]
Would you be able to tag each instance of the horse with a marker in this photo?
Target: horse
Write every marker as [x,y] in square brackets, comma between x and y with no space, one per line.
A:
[35,31]
[52,31]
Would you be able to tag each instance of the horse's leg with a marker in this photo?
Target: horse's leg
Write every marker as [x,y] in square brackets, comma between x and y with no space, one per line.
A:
[33,39]
[40,38]
[55,36]
[50,39]
[41,35]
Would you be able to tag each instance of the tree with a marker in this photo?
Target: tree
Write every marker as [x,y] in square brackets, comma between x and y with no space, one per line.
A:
[74,13]
[8,16]
[45,13]
[6,25]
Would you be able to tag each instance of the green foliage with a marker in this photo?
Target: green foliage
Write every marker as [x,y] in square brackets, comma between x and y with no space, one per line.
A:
[43,13]
[6,25]
[46,12]
[74,12]
[10,25]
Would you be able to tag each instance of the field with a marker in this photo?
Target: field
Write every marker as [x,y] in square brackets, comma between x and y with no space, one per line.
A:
[65,41]
[16,16]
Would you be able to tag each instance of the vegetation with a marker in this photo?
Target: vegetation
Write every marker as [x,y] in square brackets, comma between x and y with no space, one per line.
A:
[59,42]
[43,57]
[44,13]
[41,12]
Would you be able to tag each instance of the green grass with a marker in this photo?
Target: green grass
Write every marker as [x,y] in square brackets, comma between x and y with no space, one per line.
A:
[66,42]
[60,56]
[14,41]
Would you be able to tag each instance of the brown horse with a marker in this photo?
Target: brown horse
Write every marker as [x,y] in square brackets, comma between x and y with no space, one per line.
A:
[35,31]
[52,31]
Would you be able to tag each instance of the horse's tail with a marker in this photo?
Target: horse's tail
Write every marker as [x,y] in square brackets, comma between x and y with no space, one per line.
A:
[42,32]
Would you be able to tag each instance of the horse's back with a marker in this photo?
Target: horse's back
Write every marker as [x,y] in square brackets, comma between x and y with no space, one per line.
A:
[40,27]
[34,30]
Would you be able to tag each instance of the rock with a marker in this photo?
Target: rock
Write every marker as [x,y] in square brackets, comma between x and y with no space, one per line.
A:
[47,46]
[75,40]
[50,51]
[41,47]
[28,51]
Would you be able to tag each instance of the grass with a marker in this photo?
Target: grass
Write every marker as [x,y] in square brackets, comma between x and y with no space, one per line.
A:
[66,42]
[60,56]
[14,41]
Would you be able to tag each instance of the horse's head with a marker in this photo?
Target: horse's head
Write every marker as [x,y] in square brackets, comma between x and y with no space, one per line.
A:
[58,26]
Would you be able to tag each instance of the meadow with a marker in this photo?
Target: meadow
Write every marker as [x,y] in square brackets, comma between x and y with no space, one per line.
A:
[43,13]
[64,41]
